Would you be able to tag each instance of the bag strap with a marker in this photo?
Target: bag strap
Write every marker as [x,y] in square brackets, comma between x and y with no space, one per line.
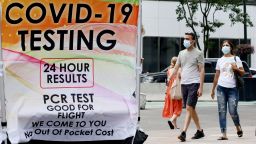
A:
[235,58]
[236,62]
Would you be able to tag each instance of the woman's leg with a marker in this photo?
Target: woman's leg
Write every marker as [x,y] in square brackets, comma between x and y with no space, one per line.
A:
[222,108]
[174,120]
[232,106]
[177,108]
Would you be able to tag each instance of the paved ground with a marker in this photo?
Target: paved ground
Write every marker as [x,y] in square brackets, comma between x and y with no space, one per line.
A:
[159,133]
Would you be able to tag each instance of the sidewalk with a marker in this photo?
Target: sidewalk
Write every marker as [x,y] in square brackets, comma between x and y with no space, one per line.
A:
[159,132]
[211,136]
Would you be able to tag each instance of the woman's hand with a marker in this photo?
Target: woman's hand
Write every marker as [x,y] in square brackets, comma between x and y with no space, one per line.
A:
[213,94]
[234,67]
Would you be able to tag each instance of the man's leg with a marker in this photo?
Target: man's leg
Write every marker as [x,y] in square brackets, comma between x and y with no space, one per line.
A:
[192,101]
[187,118]
[184,91]
[195,118]
[191,113]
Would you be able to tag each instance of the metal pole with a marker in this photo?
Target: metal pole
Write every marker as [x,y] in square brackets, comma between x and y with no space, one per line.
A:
[3,108]
[138,63]
[245,22]
[138,58]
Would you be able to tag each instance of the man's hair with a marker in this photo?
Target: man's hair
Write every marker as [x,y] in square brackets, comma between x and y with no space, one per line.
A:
[191,34]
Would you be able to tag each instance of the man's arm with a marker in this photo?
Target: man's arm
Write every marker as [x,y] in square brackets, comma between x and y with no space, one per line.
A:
[202,74]
[175,71]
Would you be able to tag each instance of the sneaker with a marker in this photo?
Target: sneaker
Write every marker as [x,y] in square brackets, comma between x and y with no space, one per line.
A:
[199,134]
[182,136]
[170,125]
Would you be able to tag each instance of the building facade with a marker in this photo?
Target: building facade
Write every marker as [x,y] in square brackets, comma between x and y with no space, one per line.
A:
[163,36]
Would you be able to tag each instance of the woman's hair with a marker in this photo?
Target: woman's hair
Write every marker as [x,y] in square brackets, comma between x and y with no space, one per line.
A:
[232,47]
[174,60]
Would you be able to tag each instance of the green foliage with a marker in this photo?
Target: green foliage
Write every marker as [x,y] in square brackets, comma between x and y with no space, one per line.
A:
[187,9]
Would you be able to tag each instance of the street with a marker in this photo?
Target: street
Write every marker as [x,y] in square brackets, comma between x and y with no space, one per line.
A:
[159,132]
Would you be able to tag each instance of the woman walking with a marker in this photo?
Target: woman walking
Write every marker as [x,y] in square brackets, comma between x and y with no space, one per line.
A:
[173,98]
[227,92]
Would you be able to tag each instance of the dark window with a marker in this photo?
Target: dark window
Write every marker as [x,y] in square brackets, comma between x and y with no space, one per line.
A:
[158,51]
[150,48]
[214,48]
[169,47]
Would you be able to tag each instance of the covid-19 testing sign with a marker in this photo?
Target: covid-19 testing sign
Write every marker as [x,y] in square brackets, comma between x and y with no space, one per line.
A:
[70,69]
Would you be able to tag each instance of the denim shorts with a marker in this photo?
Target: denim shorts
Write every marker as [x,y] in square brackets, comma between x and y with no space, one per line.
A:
[189,93]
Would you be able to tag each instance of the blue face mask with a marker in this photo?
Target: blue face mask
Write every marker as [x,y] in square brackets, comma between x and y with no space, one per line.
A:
[226,50]
[186,43]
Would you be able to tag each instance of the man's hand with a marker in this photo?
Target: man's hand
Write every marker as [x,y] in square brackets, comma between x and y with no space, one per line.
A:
[199,92]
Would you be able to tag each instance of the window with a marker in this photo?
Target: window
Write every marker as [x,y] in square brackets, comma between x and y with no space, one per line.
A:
[214,50]
[169,47]
[150,54]
[157,52]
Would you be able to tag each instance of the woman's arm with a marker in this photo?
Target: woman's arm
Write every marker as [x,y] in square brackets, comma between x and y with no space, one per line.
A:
[239,70]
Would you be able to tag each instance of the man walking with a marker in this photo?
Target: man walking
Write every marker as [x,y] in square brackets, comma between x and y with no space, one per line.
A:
[191,62]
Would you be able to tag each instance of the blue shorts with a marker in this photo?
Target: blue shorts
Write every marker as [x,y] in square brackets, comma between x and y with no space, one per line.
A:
[189,93]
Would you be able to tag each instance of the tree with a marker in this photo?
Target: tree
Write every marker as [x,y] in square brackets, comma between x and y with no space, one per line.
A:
[208,8]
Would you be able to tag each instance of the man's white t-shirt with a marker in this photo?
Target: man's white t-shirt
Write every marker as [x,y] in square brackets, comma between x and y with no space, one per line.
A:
[227,77]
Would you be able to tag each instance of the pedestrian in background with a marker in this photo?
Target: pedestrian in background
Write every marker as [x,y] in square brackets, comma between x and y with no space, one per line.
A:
[173,96]
[227,91]
[191,62]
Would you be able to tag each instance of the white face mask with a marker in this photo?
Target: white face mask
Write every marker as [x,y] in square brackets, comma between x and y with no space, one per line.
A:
[186,43]
[226,49]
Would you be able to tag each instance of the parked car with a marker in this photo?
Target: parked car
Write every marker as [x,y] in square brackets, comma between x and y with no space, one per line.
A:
[210,65]
[156,77]
[253,71]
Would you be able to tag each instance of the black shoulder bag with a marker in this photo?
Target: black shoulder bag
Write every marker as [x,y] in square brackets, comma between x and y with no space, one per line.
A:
[239,79]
